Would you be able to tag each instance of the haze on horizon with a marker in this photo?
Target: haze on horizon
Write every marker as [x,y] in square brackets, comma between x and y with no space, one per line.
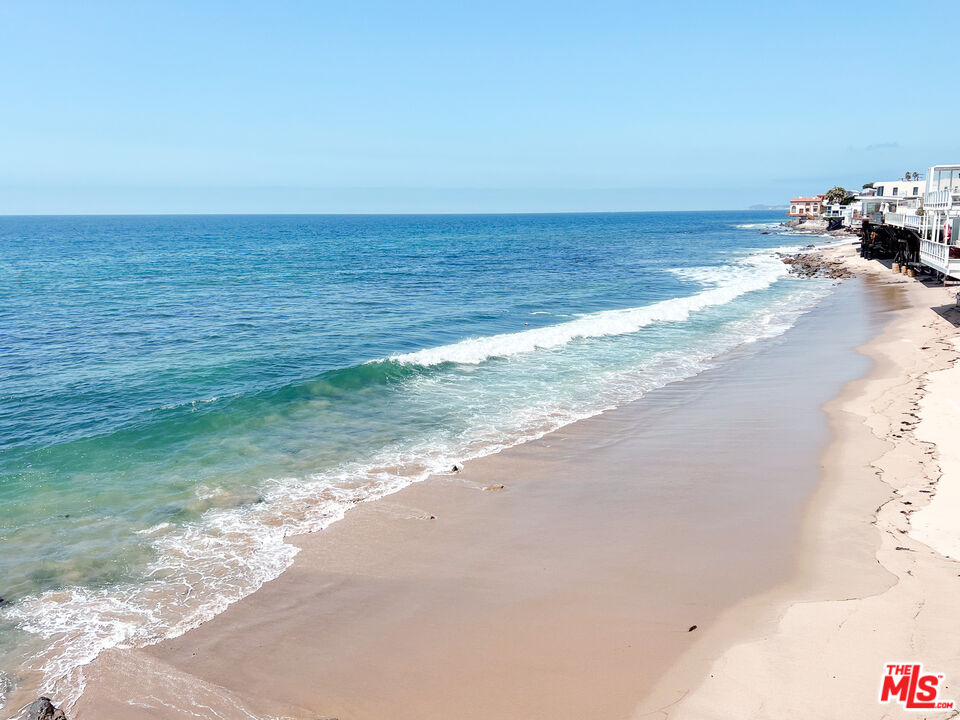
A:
[113,107]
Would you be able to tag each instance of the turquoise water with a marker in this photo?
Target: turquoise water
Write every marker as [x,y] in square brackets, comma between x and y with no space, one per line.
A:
[178,394]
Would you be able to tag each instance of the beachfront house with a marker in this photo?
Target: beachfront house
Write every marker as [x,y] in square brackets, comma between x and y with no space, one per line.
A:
[940,222]
[848,215]
[900,189]
[892,196]
[806,207]
[928,215]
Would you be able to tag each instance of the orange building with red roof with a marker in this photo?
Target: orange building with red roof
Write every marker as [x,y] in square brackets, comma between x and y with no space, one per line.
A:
[806,207]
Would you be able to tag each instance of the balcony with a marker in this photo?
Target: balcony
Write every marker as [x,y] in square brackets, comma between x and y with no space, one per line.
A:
[912,222]
[940,257]
[941,199]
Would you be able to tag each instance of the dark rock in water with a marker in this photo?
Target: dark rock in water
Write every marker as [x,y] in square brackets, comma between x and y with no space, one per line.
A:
[692,628]
[457,467]
[42,709]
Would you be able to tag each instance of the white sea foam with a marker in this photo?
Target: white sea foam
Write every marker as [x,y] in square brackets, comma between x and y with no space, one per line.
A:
[759,226]
[6,685]
[203,567]
[707,275]
[195,403]
[155,529]
[756,273]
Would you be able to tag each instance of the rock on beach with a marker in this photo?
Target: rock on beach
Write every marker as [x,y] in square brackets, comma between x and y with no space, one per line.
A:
[41,709]
[814,264]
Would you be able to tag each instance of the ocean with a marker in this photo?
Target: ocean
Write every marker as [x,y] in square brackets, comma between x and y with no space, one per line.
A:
[179,394]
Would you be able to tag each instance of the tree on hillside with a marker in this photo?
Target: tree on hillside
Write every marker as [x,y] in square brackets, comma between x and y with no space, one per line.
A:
[834,195]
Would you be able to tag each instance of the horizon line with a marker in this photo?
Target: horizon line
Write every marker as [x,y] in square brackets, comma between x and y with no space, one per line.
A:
[377,212]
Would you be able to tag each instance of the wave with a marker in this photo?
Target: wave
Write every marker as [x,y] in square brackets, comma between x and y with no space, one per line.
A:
[204,566]
[759,226]
[758,272]
[707,275]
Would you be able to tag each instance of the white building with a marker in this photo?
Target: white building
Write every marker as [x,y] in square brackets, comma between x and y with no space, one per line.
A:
[940,229]
[900,189]
[846,213]
[932,211]
[892,196]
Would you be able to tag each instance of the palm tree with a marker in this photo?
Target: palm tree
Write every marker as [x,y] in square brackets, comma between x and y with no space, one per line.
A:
[834,195]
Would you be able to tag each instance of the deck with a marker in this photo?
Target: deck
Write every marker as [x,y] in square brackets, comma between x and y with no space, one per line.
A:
[911,222]
[940,257]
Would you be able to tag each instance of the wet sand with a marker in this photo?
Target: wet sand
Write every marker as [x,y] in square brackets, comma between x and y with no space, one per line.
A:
[876,580]
[570,592]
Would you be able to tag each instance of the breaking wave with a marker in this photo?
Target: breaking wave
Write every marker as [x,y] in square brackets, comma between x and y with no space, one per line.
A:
[202,567]
[756,273]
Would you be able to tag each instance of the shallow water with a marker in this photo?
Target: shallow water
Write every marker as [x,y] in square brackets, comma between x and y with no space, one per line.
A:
[178,394]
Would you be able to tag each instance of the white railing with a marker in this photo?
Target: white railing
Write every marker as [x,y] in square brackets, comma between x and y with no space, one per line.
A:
[943,198]
[914,222]
[935,255]
[937,198]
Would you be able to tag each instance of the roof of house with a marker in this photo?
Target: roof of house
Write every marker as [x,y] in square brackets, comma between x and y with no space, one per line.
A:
[815,198]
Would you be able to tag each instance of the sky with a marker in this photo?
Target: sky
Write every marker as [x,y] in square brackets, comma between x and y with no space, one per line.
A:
[143,107]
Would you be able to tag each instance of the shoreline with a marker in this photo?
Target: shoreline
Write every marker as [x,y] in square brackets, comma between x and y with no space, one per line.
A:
[742,632]
[867,591]
[334,597]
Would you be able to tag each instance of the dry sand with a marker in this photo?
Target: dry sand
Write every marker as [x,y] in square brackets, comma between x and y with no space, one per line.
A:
[570,592]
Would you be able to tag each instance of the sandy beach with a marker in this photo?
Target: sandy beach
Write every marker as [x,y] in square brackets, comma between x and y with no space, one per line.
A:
[757,540]
[720,549]
[472,361]
[877,571]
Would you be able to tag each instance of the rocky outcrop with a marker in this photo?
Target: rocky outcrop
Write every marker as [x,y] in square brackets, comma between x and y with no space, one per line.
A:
[820,226]
[41,709]
[814,264]
[813,225]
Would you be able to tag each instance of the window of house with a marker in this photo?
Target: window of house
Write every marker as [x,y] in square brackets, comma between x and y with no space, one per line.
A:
[880,190]
[895,190]
[915,190]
